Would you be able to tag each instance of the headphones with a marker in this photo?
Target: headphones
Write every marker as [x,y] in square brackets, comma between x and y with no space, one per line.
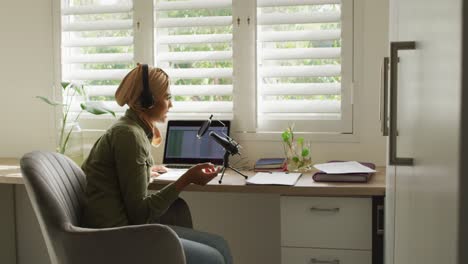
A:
[146,98]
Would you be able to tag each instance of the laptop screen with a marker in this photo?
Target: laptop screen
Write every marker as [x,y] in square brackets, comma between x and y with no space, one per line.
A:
[182,145]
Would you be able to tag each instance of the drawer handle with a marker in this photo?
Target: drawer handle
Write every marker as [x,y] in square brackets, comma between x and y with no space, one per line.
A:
[317,261]
[333,210]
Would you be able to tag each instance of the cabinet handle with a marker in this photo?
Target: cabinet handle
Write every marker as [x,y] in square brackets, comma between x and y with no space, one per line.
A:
[314,260]
[384,98]
[394,48]
[334,210]
[380,216]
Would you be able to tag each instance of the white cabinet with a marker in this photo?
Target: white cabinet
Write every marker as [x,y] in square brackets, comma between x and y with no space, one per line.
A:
[326,230]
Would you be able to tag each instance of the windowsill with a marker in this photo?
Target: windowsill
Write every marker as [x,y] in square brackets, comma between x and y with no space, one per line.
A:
[261,136]
[95,126]
[313,137]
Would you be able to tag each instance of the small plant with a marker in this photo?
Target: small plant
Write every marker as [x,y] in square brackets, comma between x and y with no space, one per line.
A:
[71,91]
[296,151]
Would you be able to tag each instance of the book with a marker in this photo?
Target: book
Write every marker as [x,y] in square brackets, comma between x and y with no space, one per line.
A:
[284,168]
[270,163]
[274,178]
[321,176]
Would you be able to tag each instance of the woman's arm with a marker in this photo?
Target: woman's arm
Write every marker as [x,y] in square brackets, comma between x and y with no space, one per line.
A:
[131,155]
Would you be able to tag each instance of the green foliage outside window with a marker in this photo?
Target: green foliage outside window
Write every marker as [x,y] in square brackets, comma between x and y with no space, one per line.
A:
[213,47]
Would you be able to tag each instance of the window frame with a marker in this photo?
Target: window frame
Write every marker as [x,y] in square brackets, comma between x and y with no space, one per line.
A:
[244,123]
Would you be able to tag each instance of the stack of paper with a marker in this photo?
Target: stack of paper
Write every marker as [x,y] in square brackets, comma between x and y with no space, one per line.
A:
[274,178]
[343,167]
[171,175]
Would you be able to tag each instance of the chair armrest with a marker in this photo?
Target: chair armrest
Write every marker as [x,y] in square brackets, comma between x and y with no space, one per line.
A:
[151,243]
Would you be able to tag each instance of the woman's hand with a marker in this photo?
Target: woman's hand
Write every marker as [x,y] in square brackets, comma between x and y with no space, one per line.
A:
[199,174]
[157,170]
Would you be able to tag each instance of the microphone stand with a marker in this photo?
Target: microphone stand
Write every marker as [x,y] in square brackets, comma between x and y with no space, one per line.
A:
[227,166]
[230,146]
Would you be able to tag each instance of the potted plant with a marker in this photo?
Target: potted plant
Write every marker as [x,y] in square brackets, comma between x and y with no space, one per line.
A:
[297,152]
[69,123]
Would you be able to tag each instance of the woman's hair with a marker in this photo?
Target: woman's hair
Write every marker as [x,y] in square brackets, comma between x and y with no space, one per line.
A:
[131,87]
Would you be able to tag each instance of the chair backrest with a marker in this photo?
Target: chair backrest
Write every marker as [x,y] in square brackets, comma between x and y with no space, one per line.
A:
[55,186]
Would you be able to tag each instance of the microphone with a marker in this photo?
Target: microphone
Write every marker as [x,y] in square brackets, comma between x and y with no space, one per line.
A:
[227,143]
[204,127]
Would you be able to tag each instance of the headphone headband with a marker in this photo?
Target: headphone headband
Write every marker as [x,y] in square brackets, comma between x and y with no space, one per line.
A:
[146,98]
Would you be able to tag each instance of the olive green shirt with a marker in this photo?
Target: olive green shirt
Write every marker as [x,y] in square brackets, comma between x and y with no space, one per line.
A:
[118,172]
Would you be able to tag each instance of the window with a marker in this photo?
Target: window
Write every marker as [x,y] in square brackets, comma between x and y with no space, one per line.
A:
[193,43]
[302,70]
[299,57]
[97,46]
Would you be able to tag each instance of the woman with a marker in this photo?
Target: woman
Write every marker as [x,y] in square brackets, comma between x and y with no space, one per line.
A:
[120,165]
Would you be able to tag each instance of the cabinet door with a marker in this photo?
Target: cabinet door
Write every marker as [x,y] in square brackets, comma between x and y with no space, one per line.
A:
[425,194]
[326,222]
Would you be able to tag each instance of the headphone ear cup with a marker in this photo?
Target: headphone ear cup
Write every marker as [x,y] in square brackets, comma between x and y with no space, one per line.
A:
[146,98]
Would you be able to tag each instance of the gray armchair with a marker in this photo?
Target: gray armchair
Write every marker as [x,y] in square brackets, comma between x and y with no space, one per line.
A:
[55,185]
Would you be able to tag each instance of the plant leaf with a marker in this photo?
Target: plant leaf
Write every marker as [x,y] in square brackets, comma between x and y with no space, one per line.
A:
[96,108]
[305,152]
[48,101]
[78,88]
[65,85]
[286,136]
[300,141]
[295,159]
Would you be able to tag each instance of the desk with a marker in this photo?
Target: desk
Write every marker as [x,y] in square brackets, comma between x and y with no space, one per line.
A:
[305,186]
[320,222]
[350,236]
[10,174]
[10,171]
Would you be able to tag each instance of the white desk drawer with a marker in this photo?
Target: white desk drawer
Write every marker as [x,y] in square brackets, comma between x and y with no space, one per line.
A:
[324,256]
[326,222]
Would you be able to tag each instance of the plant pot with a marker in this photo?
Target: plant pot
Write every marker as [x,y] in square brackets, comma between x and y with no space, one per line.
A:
[295,160]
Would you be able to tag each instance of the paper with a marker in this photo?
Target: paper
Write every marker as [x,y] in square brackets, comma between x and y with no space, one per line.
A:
[170,175]
[274,178]
[343,167]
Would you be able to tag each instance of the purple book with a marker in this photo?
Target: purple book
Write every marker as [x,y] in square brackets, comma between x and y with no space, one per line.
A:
[321,176]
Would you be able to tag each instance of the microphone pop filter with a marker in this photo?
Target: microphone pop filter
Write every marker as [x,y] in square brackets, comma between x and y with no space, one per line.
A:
[204,127]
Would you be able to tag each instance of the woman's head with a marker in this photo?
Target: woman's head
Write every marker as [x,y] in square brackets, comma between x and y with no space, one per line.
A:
[131,88]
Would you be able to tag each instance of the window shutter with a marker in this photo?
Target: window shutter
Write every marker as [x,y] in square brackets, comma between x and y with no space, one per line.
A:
[193,44]
[97,47]
[300,65]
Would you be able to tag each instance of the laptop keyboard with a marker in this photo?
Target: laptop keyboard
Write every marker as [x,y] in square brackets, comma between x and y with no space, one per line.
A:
[178,166]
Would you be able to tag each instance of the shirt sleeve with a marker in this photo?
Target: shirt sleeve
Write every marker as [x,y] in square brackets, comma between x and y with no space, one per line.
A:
[131,155]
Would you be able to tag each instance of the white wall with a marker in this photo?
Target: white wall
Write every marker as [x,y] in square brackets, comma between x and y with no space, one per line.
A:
[26,70]
[249,222]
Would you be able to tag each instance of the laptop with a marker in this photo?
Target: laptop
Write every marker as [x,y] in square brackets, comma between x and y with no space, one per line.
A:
[183,148]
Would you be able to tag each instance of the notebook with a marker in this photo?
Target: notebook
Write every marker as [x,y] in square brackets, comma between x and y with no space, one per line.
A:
[270,164]
[345,177]
[183,149]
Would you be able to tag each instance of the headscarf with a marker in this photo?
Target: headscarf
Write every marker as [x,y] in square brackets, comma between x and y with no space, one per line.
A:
[131,87]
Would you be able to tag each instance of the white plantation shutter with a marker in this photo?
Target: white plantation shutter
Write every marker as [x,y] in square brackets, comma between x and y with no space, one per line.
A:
[97,46]
[193,44]
[304,74]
